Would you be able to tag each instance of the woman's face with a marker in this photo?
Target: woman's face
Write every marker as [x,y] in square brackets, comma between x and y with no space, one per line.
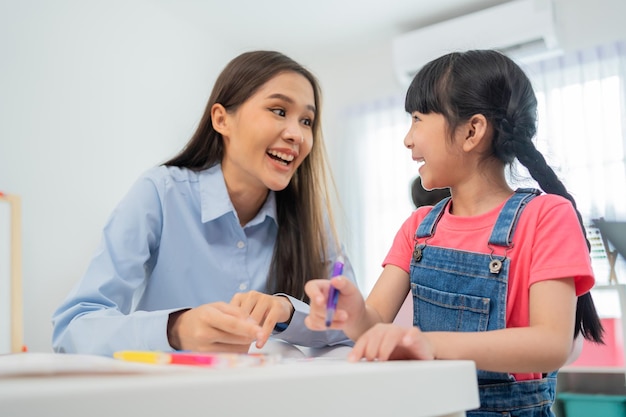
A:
[269,135]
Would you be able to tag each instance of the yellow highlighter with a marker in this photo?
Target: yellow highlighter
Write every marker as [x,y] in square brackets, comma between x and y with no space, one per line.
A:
[159,358]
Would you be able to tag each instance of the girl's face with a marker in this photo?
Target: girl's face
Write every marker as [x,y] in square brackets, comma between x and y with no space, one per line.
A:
[270,134]
[428,140]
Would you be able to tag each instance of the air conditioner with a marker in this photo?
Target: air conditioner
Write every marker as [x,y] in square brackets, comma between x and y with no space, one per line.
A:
[523,29]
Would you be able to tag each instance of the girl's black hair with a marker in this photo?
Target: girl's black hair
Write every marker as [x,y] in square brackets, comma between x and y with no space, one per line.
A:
[462,84]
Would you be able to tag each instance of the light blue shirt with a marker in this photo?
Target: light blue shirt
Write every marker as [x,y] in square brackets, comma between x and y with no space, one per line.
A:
[173,242]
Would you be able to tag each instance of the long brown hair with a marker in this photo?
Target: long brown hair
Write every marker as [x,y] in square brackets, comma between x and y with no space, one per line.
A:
[301,249]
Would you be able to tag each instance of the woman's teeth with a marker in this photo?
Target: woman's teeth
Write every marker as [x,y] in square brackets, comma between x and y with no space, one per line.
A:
[282,157]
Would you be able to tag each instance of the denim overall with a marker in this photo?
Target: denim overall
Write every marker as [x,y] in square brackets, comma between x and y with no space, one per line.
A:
[461,291]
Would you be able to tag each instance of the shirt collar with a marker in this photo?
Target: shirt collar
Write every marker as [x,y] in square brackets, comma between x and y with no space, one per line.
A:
[215,202]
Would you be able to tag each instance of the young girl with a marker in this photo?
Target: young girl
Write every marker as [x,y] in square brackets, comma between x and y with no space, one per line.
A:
[211,250]
[498,276]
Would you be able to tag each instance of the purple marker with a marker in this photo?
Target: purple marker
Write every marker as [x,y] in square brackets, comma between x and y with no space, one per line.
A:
[333,294]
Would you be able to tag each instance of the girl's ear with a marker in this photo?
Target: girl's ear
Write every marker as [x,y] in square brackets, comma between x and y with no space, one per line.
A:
[219,119]
[475,133]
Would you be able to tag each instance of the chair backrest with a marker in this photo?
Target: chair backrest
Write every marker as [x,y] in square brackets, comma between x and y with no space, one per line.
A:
[614,238]
[14,284]
[614,232]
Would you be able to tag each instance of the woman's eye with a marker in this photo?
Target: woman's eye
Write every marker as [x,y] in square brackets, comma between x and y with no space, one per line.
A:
[415,118]
[279,112]
[307,122]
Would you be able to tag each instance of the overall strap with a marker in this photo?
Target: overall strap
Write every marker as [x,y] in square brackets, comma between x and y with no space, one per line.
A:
[502,234]
[428,225]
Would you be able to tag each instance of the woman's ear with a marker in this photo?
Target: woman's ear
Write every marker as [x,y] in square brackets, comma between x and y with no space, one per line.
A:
[476,132]
[219,119]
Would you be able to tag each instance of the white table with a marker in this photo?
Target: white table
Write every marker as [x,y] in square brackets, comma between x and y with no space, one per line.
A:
[309,387]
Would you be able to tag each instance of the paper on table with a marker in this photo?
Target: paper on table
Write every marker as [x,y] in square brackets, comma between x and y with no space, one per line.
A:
[42,364]
[289,351]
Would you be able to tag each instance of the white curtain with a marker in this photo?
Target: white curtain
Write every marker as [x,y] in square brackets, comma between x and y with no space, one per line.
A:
[582,122]
[581,131]
[374,182]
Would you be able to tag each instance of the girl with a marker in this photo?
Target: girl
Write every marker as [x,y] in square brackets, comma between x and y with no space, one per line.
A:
[495,273]
[241,214]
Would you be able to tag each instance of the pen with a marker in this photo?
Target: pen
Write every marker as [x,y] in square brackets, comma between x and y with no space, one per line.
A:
[333,294]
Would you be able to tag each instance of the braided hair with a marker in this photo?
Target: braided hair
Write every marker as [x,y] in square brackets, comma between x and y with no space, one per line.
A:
[461,84]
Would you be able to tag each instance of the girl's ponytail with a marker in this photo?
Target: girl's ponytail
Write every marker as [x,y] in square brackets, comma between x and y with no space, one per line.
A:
[587,320]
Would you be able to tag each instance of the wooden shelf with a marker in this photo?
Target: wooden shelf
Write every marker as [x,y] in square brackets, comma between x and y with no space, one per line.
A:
[16,334]
[592,380]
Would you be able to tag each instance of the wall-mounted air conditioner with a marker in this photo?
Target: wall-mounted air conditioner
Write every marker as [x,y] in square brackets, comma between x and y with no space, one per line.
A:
[523,29]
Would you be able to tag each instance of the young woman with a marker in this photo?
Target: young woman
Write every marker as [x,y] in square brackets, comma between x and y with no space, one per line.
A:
[211,250]
[498,276]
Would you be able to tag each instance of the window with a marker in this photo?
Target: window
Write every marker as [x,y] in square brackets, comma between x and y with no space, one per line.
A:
[374,180]
[582,132]
[581,127]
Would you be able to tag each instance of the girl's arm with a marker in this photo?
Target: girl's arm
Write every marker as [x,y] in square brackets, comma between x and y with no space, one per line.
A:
[543,346]
[353,315]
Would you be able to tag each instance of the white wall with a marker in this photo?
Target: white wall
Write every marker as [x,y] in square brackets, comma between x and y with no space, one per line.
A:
[93,93]
[584,23]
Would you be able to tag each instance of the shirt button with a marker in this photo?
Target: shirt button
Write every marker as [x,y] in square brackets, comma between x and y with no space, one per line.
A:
[243,286]
[240,244]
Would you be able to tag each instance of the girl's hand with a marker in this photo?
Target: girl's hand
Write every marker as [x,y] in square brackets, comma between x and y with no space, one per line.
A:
[350,304]
[266,310]
[391,342]
[215,327]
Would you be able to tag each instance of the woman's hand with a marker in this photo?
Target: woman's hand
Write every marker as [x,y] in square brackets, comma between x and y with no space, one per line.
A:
[391,342]
[215,327]
[266,310]
[350,304]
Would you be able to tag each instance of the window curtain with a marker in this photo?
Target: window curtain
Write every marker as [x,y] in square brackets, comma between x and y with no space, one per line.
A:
[581,131]
[373,180]
[582,125]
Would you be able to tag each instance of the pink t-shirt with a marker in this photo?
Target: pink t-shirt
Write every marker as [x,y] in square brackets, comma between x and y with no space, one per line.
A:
[548,244]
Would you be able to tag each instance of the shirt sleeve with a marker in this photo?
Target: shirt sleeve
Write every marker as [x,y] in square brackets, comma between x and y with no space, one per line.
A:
[559,247]
[402,247]
[98,316]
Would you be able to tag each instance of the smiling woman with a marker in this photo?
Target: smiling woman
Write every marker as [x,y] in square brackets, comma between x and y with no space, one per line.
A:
[211,250]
